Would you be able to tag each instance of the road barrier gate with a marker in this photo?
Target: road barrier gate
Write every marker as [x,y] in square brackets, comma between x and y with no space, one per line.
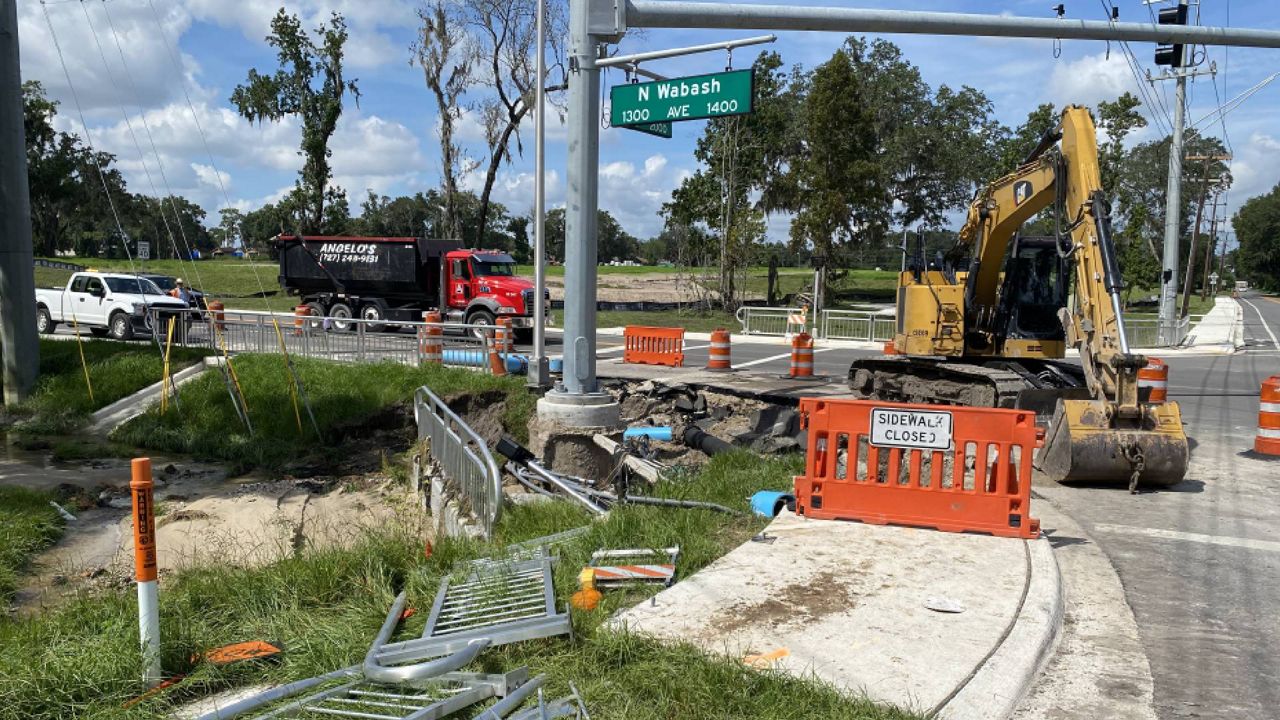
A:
[958,469]
[653,346]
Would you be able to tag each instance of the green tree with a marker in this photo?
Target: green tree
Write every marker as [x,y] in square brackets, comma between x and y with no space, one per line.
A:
[440,51]
[309,84]
[259,226]
[1257,226]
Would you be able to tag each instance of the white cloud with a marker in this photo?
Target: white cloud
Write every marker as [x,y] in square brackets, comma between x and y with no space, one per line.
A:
[210,176]
[634,195]
[1091,79]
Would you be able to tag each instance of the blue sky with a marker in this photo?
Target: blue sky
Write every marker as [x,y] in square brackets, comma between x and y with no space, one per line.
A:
[388,142]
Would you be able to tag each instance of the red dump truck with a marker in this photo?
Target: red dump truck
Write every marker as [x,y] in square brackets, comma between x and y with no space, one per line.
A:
[398,278]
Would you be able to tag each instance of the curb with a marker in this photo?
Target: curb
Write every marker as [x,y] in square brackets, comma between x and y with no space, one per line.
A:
[1004,678]
[127,408]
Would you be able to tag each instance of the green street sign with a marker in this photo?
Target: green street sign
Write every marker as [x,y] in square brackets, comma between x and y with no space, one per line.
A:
[689,98]
[661,129]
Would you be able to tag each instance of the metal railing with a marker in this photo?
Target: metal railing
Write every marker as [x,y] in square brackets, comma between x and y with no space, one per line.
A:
[463,457]
[1144,332]
[856,325]
[325,338]
[767,320]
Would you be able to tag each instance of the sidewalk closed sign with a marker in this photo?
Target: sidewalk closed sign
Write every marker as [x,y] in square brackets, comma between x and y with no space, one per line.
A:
[916,429]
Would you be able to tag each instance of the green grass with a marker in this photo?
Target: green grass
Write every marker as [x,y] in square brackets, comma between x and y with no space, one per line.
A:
[342,396]
[326,604]
[61,402]
[28,524]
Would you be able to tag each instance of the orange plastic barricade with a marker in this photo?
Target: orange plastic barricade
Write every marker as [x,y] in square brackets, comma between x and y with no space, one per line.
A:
[718,357]
[653,346]
[431,340]
[958,469]
[1155,379]
[1267,441]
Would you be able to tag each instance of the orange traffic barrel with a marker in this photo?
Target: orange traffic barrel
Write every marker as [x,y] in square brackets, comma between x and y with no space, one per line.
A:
[219,317]
[802,356]
[889,348]
[719,359]
[300,315]
[1155,378]
[1268,439]
[431,342]
[505,335]
[497,366]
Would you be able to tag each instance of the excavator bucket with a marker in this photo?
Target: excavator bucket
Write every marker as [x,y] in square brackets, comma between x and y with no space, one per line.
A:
[1083,444]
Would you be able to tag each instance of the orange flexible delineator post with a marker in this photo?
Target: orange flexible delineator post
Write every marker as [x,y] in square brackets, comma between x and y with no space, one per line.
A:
[1267,441]
[718,357]
[958,469]
[431,339]
[653,346]
[497,366]
[141,487]
[801,356]
[1154,378]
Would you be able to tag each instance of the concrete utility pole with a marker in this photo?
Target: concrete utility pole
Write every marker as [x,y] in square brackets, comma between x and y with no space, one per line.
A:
[1168,319]
[18,339]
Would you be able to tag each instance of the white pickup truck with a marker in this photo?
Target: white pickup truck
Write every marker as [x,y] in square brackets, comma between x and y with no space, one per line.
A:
[111,304]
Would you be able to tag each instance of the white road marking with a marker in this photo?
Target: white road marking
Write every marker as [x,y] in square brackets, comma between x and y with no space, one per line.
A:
[772,358]
[1274,342]
[1224,540]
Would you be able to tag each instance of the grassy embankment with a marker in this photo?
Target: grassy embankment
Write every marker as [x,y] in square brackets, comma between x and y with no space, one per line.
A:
[326,604]
[61,402]
[28,524]
[342,396]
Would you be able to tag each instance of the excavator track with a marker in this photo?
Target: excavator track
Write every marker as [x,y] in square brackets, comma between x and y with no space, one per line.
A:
[997,383]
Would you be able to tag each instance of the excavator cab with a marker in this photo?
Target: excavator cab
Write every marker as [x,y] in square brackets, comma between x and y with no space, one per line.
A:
[1036,285]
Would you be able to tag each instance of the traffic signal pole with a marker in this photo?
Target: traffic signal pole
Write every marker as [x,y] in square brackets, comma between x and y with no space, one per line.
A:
[18,341]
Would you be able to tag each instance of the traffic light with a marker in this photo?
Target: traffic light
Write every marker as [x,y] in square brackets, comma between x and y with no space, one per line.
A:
[1171,55]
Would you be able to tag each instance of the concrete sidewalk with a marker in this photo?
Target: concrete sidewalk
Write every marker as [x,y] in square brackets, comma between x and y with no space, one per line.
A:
[1220,330]
[847,603]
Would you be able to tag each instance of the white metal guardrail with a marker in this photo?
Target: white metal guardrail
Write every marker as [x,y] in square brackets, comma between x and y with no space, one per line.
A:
[769,320]
[463,457]
[327,338]
[856,325]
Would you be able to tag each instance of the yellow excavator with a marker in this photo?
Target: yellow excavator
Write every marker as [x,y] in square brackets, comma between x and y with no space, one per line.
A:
[989,324]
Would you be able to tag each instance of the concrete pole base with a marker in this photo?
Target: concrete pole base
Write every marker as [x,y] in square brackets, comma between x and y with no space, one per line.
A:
[586,410]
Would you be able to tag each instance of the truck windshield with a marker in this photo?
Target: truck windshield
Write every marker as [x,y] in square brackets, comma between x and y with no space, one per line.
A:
[133,286]
[486,268]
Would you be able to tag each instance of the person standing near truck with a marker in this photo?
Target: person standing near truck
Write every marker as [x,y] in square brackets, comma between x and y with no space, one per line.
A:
[181,292]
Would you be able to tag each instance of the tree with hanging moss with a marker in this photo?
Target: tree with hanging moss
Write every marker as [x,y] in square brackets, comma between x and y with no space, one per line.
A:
[309,84]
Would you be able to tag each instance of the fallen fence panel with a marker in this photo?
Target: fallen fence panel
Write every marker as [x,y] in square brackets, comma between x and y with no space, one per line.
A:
[463,457]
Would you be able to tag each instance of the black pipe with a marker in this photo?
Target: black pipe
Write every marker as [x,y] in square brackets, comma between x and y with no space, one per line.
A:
[694,437]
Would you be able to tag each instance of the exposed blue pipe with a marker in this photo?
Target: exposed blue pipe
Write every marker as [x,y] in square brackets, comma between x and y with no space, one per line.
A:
[653,433]
[771,502]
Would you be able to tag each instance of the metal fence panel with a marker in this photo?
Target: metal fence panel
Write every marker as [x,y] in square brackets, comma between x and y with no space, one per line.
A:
[463,457]
[768,321]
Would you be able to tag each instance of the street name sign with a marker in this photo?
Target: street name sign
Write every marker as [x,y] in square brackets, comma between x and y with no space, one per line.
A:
[922,429]
[661,129]
[689,98]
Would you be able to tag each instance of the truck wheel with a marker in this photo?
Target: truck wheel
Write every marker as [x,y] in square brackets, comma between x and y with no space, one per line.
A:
[340,313]
[120,328]
[481,317]
[372,314]
[44,321]
[317,312]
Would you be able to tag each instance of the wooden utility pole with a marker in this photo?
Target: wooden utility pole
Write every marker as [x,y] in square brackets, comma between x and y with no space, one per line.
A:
[18,341]
[1209,249]
[1195,228]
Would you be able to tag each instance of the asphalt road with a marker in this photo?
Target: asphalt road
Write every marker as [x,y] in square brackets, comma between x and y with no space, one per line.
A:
[1200,562]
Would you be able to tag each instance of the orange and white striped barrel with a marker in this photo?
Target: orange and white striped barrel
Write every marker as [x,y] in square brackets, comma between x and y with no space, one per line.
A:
[300,315]
[802,356]
[718,358]
[431,342]
[217,309]
[1268,440]
[1155,378]
[890,348]
[497,366]
[505,335]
